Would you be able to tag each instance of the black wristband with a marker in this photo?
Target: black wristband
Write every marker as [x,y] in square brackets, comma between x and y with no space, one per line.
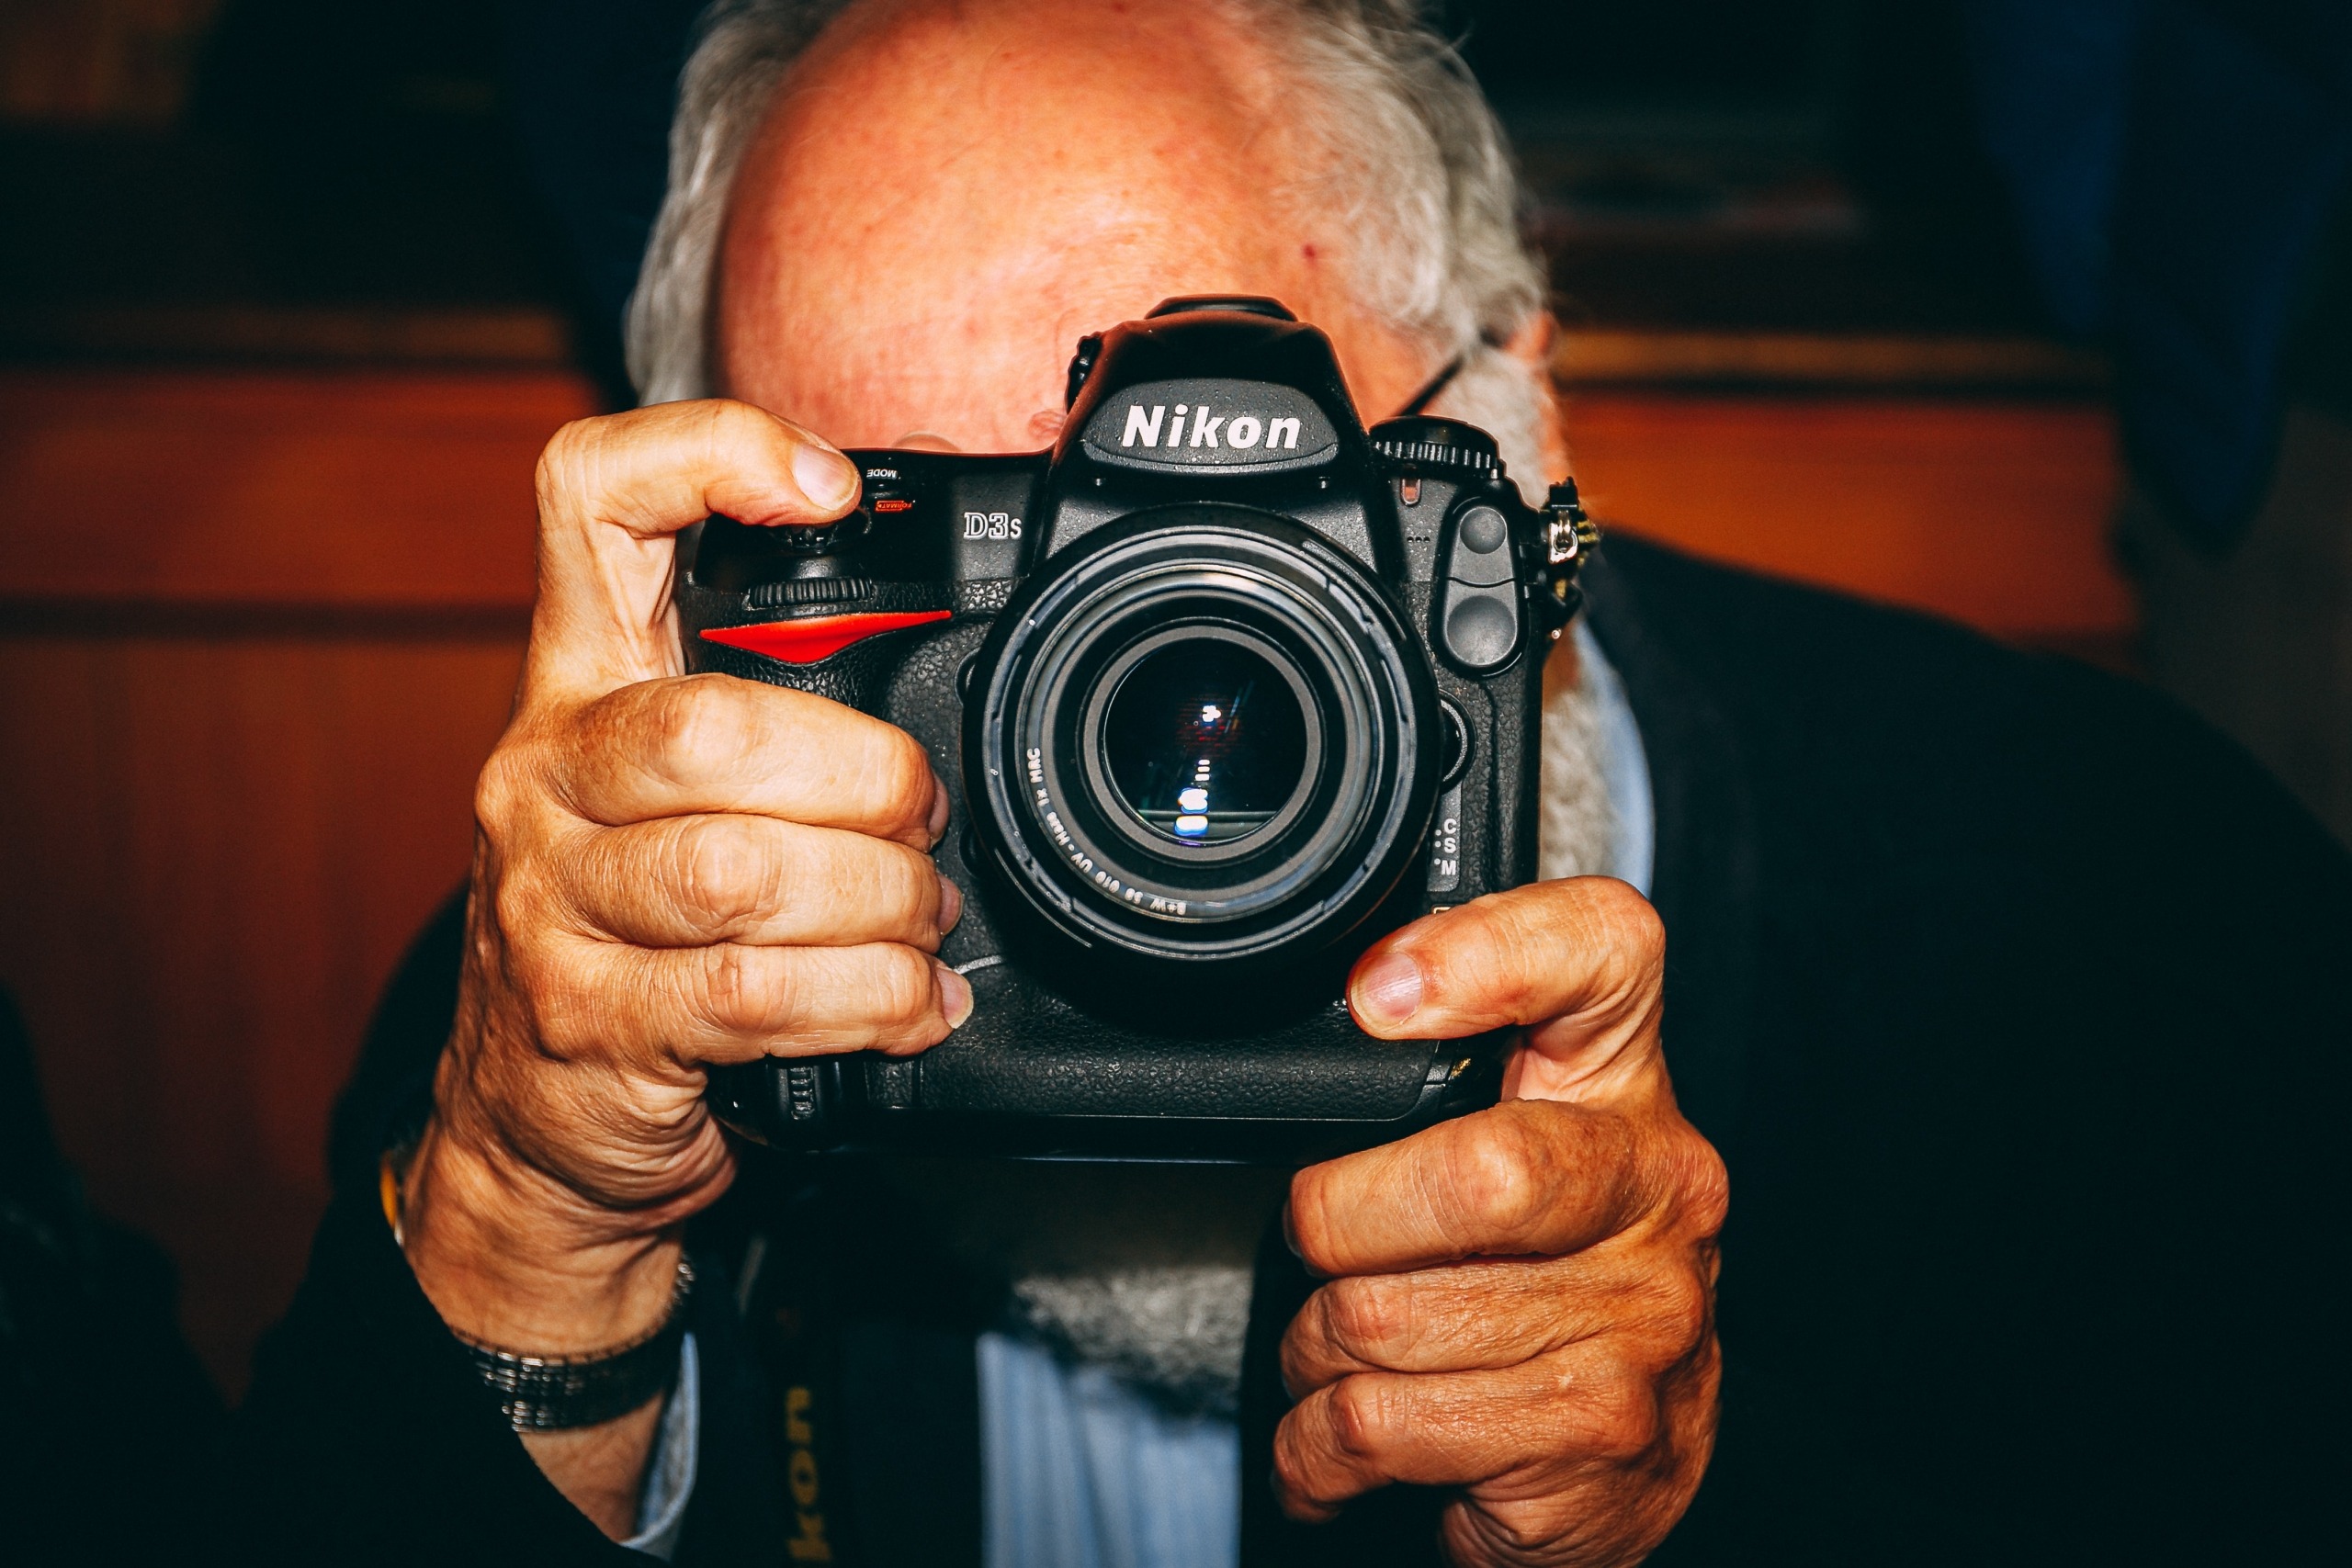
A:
[555,1394]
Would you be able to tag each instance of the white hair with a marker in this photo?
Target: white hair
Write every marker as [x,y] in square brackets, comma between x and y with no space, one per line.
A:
[1408,152]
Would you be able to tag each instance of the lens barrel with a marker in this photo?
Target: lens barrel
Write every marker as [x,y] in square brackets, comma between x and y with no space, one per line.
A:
[1202,735]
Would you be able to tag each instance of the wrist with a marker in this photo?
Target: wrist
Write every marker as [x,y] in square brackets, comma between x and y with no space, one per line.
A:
[512,1258]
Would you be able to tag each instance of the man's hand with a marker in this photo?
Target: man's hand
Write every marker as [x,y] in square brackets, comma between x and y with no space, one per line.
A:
[672,871]
[1522,1301]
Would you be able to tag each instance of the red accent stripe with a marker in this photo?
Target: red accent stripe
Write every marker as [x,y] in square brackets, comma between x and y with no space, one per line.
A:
[806,641]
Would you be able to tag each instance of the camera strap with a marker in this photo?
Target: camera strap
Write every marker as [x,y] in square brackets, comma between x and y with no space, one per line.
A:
[864,1334]
[792,1317]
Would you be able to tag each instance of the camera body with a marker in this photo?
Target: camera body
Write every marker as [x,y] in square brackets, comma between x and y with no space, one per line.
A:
[1223,688]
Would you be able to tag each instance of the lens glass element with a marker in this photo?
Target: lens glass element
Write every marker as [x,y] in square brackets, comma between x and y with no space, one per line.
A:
[1204,740]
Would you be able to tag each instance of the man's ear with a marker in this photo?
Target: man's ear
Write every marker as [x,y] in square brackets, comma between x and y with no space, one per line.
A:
[1531,346]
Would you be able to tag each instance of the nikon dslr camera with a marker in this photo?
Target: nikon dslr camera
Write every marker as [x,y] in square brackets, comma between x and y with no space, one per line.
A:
[1224,688]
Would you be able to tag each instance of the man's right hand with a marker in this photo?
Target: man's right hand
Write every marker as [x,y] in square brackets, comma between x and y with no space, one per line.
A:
[672,873]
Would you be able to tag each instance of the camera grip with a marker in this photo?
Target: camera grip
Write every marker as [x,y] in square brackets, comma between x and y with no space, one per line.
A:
[1034,1076]
[844,649]
[805,1103]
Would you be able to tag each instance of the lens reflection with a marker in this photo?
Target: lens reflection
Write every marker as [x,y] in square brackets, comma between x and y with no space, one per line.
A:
[1204,740]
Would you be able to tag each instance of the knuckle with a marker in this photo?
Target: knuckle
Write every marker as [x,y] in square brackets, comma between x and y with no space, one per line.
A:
[1527,1529]
[1622,906]
[902,780]
[903,990]
[1683,1311]
[910,887]
[505,783]
[566,1022]
[518,909]
[740,991]
[1702,1182]
[911,1037]
[564,461]
[685,720]
[1624,1422]
[1370,1318]
[1361,1412]
[554,987]
[724,869]
[724,425]
[1485,963]
[1310,1221]
[1293,1472]
[1500,1172]
[1629,923]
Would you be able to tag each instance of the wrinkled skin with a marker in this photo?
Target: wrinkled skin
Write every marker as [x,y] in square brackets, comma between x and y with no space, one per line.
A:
[1521,1301]
[676,872]
[672,871]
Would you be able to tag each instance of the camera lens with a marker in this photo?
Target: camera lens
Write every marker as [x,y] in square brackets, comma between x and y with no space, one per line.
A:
[1202,733]
[1204,741]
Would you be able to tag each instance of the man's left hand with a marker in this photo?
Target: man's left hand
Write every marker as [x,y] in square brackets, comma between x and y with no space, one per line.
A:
[1521,1301]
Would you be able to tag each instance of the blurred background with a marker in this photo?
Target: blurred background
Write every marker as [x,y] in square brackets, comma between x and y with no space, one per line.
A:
[2033,313]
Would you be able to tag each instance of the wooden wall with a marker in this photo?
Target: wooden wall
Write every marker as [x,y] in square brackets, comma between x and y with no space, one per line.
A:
[1992,512]
[258,629]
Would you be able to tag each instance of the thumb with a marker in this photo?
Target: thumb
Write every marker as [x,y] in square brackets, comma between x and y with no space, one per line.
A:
[1577,964]
[613,494]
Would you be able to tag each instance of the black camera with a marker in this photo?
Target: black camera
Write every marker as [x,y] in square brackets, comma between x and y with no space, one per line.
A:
[1224,687]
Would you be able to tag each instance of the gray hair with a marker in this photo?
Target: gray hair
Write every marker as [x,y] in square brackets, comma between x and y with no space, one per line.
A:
[1413,160]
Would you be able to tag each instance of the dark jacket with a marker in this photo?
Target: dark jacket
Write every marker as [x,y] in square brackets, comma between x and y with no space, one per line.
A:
[2016,1002]
[96,1382]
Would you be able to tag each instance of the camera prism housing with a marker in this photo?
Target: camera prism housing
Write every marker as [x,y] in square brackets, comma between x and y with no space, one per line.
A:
[1223,688]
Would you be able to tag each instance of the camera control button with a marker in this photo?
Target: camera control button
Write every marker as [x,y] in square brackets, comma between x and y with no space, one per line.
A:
[1480,626]
[1481,555]
[1482,531]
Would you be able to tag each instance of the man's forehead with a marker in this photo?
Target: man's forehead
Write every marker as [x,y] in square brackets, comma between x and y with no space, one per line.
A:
[946,198]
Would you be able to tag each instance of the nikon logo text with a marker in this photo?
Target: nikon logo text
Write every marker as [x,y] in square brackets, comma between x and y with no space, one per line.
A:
[1211,422]
[1240,433]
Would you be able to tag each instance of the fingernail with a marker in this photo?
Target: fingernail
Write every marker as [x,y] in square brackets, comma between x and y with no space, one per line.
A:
[954,995]
[938,812]
[1389,991]
[824,477]
[950,906]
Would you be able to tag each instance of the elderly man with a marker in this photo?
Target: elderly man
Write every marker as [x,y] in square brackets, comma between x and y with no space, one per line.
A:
[2010,999]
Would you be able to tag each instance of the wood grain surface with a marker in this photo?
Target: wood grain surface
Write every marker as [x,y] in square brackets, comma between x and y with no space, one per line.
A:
[1994,514]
